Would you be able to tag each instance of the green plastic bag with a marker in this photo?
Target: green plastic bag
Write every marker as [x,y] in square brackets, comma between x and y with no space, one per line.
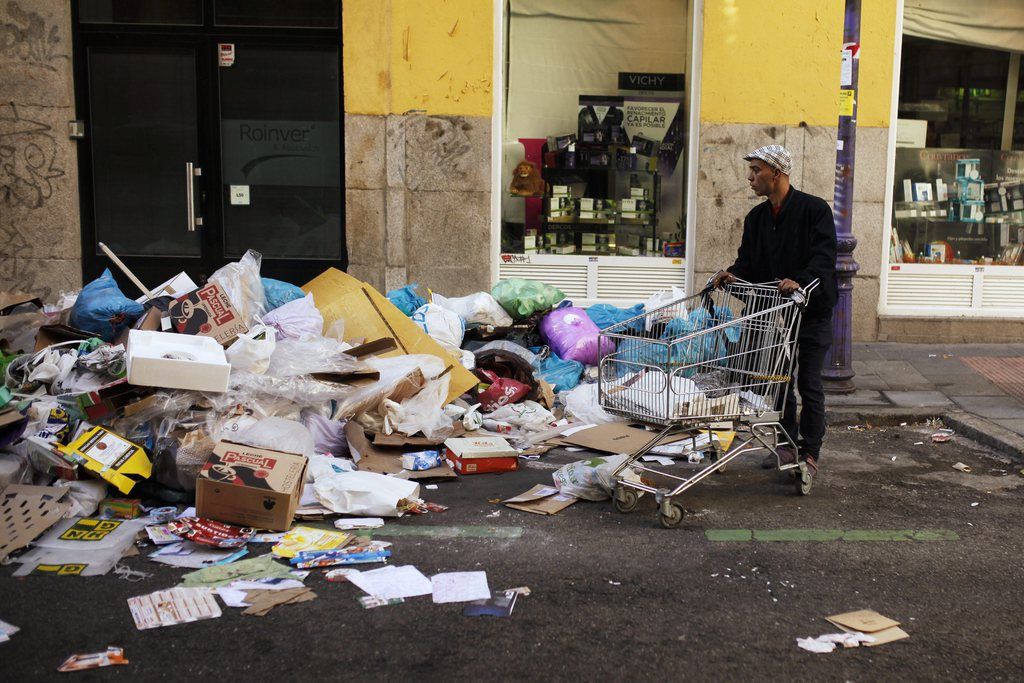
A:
[522,298]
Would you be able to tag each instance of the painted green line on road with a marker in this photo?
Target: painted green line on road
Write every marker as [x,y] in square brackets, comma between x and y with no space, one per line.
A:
[824,535]
[451,531]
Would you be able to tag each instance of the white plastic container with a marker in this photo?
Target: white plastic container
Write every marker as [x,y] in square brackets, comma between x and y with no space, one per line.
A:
[176,361]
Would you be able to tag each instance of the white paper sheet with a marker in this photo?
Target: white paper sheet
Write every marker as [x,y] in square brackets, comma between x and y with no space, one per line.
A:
[359,523]
[393,582]
[7,630]
[658,459]
[174,606]
[189,555]
[460,587]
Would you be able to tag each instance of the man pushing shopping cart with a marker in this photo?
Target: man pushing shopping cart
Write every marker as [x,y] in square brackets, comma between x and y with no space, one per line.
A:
[725,357]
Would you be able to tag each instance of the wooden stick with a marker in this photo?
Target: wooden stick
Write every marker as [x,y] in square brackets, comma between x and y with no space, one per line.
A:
[124,269]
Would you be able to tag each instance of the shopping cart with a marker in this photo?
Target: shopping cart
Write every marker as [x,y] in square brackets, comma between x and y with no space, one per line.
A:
[720,359]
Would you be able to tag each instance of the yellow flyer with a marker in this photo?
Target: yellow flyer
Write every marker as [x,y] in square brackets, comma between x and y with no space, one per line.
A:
[305,538]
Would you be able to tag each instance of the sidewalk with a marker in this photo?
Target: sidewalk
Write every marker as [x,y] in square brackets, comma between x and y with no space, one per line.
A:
[978,389]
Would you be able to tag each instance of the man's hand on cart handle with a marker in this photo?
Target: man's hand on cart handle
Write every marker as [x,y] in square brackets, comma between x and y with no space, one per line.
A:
[788,286]
[721,278]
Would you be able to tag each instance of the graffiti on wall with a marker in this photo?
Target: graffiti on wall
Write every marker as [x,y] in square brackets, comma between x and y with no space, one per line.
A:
[28,155]
[26,37]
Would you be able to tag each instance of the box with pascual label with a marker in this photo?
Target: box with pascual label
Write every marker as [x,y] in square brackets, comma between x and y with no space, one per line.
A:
[480,454]
[254,487]
[207,312]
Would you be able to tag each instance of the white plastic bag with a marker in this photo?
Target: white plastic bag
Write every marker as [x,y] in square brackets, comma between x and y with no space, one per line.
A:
[581,403]
[242,284]
[476,309]
[592,479]
[528,416]
[423,412]
[277,434]
[297,319]
[84,495]
[442,325]
[364,493]
[327,466]
[662,298]
[251,351]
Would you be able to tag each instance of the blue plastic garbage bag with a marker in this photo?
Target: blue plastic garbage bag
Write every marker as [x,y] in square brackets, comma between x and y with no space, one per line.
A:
[101,308]
[606,315]
[406,299]
[278,293]
[561,374]
[706,347]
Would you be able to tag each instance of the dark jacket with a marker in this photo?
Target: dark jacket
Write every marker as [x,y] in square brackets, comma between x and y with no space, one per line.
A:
[800,245]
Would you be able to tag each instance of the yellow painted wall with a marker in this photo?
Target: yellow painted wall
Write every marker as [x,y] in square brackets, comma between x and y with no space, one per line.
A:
[778,62]
[408,54]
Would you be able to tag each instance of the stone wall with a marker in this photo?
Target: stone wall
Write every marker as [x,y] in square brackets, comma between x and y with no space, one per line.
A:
[40,232]
[724,198]
[417,198]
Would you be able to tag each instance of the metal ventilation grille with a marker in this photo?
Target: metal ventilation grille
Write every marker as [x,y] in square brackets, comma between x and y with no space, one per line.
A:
[637,282]
[1002,291]
[923,290]
[571,279]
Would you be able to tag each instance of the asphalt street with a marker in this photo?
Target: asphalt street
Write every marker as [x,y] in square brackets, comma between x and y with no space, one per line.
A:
[889,526]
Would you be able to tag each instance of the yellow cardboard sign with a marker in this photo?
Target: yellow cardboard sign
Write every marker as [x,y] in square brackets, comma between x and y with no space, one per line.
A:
[115,459]
[846,98]
[369,316]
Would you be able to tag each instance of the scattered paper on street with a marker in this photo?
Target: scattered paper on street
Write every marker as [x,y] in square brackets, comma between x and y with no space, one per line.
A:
[173,606]
[359,523]
[393,582]
[460,587]
[110,657]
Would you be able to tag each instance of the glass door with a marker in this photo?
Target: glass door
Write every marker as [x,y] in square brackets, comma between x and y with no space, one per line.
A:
[210,130]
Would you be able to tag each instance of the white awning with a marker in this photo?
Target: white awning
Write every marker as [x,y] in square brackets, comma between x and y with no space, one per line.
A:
[992,24]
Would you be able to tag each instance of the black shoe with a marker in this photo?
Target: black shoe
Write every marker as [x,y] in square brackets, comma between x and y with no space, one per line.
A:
[787,456]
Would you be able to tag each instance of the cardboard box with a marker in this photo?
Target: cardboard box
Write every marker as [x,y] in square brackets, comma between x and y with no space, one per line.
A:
[253,487]
[104,402]
[480,454]
[176,361]
[369,315]
[207,312]
[111,457]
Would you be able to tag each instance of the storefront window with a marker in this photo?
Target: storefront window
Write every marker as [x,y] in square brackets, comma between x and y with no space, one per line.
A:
[595,126]
[959,194]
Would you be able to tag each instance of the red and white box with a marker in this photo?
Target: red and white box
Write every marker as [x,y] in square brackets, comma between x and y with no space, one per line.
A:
[480,454]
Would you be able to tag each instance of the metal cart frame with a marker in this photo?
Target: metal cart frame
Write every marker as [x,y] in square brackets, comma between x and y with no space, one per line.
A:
[721,358]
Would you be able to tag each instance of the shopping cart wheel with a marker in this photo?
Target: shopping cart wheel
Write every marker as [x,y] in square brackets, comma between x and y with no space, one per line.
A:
[670,514]
[803,480]
[626,499]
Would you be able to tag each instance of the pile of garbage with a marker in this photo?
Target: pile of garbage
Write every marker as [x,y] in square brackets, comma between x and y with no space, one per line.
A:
[209,419]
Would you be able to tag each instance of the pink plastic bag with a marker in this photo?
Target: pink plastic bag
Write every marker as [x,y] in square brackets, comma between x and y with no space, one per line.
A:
[574,336]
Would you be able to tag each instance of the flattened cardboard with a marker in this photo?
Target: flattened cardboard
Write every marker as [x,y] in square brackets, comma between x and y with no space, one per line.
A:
[207,312]
[616,437]
[369,315]
[864,620]
[26,512]
[48,335]
[385,460]
[111,457]
[148,322]
[403,440]
[373,348]
[11,300]
[253,487]
[541,500]
[886,635]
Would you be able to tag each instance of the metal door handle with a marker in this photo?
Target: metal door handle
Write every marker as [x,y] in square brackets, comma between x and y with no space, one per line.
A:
[191,173]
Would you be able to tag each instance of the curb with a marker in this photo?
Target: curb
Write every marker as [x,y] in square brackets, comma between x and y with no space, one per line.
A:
[972,426]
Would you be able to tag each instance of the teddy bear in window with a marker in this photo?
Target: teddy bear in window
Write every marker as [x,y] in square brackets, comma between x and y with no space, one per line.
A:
[526,181]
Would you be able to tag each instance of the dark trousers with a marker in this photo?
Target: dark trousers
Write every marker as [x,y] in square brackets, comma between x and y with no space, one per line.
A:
[813,343]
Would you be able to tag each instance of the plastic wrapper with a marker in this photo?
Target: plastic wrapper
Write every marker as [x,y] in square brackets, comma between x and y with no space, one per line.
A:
[500,390]
[574,336]
[592,479]
[242,284]
[443,326]
[528,416]
[298,319]
[325,466]
[14,469]
[295,357]
[366,402]
[582,404]
[103,309]
[422,413]
[606,315]
[251,351]
[328,435]
[647,394]
[522,298]
[406,299]
[476,309]
[277,434]
[364,493]
[278,293]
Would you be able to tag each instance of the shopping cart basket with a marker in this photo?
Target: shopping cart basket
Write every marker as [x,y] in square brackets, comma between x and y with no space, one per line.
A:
[722,358]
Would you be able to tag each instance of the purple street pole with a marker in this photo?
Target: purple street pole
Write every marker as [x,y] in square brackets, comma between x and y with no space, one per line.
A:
[838,371]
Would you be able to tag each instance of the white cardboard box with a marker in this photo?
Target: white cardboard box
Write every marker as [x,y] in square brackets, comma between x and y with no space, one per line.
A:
[176,361]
